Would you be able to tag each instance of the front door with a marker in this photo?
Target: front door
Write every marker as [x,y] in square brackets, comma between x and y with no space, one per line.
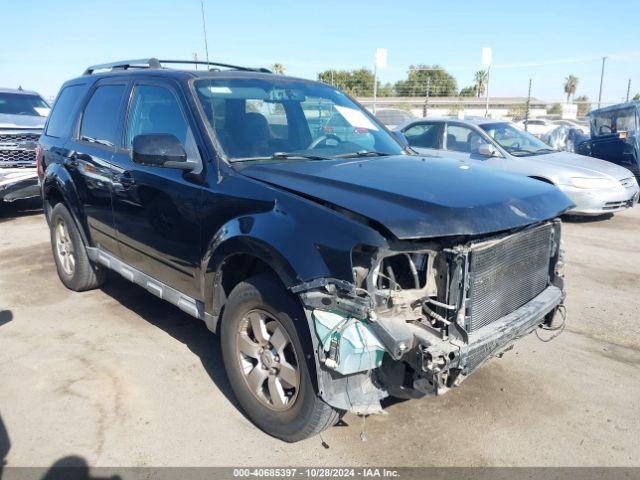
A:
[425,137]
[155,208]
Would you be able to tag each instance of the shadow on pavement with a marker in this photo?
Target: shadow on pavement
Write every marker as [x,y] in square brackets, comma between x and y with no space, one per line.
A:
[184,328]
[20,208]
[5,445]
[5,316]
[587,219]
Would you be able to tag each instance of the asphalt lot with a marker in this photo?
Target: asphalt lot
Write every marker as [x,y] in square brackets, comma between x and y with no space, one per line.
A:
[118,377]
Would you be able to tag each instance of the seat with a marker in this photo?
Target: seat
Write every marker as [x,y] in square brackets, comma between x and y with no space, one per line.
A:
[256,135]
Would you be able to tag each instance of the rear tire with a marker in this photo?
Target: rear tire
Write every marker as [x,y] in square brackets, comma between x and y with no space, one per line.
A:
[272,381]
[75,269]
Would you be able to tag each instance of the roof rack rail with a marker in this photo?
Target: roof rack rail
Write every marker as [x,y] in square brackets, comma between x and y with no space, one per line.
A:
[125,65]
[155,63]
[217,64]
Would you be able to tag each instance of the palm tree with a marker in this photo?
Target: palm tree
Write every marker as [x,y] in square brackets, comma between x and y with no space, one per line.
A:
[278,68]
[570,85]
[480,80]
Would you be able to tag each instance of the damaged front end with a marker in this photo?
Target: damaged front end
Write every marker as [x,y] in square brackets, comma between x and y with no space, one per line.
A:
[418,318]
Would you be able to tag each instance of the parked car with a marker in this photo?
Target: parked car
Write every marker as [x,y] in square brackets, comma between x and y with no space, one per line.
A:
[563,138]
[392,117]
[581,126]
[615,136]
[536,126]
[595,187]
[22,116]
[336,275]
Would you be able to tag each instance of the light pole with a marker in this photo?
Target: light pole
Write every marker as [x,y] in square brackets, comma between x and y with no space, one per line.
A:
[381,62]
[604,59]
[486,62]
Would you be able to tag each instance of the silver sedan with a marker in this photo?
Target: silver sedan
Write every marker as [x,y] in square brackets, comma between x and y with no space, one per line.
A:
[596,187]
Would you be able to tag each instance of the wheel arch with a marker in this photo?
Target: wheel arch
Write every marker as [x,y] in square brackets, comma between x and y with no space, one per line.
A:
[57,187]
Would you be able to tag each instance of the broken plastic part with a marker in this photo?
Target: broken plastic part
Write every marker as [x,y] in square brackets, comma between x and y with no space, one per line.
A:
[351,345]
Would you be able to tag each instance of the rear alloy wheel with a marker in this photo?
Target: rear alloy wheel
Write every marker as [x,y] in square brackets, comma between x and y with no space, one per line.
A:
[64,247]
[267,353]
[74,267]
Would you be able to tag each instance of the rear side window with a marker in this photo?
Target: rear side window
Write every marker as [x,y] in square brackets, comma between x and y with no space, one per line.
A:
[100,118]
[63,110]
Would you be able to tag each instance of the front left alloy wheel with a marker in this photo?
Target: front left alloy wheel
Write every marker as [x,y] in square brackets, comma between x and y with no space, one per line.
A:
[262,330]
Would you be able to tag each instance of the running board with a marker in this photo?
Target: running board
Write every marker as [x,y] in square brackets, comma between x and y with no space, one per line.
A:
[187,304]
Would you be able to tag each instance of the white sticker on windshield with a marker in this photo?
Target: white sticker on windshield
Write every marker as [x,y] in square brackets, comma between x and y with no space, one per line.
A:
[356,118]
[43,112]
[219,89]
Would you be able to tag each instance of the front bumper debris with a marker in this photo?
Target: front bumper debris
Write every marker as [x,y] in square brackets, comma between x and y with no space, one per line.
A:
[18,183]
[457,307]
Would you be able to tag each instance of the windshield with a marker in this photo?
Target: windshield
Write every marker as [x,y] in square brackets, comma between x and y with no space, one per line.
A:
[23,104]
[515,141]
[281,118]
[613,121]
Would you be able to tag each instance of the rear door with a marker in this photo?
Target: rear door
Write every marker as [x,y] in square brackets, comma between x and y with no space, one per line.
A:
[88,157]
[155,208]
[425,137]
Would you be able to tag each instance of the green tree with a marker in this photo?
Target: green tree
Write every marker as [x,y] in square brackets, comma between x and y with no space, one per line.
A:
[583,105]
[636,97]
[517,111]
[278,68]
[358,83]
[555,109]
[570,85]
[439,81]
[480,82]
[468,92]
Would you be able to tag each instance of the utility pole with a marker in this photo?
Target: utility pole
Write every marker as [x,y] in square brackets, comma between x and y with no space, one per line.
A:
[526,111]
[486,62]
[628,89]
[195,59]
[426,98]
[604,59]
[375,86]
[486,106]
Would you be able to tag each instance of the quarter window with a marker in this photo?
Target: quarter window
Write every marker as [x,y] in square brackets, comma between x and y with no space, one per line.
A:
[101,115]
[63,111]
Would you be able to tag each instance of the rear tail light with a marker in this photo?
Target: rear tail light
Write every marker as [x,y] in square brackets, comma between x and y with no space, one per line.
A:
[360,130]
[39,168]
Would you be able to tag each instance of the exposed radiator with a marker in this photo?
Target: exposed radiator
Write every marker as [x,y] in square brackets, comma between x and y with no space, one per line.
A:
[505,274]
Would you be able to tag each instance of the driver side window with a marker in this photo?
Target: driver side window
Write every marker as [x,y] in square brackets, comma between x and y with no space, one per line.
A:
[155,109]
[328,126]
[463,139]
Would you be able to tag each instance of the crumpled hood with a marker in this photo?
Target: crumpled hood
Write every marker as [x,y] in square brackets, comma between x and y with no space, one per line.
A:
[416,197]
[27,122]
[587,166]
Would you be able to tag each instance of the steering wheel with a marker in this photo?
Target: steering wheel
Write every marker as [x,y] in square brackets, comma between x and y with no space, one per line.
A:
[322,140]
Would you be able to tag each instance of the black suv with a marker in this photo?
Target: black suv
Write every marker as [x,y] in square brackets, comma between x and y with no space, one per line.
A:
[338,267]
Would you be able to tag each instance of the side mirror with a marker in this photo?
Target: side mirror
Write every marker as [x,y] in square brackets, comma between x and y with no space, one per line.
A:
[400,138]
[160,150]
[487,150]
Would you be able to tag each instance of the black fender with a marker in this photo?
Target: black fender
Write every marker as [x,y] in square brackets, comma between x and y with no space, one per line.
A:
[57,181]
[298,244]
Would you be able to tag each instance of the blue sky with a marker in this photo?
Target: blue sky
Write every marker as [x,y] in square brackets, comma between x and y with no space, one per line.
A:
[46,43]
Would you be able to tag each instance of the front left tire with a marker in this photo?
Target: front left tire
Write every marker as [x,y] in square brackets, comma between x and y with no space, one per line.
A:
[266,363]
